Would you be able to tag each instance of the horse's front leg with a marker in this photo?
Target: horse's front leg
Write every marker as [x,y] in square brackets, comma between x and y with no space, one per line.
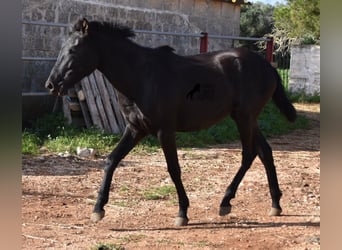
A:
[168,144]
[129,139]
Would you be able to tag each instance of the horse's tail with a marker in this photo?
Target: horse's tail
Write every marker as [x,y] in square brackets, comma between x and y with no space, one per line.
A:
[281,100]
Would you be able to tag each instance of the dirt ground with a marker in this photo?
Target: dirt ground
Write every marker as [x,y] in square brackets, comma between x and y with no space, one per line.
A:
[58,194]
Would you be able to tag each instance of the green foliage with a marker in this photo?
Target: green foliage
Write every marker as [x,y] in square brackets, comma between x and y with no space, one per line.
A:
[71,138]
[256,20]
[296,23]
[284,75]
[51,133]
[303,98]
[49,125]
[272,122]
[222,132]
[30,143]
[305,18]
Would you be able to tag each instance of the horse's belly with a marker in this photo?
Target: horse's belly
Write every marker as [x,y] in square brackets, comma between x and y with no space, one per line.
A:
[201,118]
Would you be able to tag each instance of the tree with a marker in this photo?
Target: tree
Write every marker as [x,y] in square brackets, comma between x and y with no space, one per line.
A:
[256,20]
[297,22]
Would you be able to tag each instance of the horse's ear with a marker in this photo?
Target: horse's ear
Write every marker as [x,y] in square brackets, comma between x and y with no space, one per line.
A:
[82,25]
[85,25]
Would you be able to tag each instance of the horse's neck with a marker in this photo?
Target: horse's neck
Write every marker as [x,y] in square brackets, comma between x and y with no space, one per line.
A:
[120,65]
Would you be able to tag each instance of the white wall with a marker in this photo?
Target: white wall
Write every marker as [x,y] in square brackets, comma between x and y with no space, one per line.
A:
[305,70]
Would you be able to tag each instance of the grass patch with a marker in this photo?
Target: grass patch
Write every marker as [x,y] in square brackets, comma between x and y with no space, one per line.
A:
[132,238]
[160,193]
[107,246]
[303,98]
[272,122]
[51,132]
[30,143]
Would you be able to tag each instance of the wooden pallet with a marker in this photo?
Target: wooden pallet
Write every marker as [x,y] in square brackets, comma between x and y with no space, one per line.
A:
[99,104]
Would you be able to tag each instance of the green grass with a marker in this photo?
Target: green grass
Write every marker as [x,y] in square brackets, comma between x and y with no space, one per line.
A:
[302,98]
[51,133]
[107,246]
[159,193]
[30,143]
[284,75]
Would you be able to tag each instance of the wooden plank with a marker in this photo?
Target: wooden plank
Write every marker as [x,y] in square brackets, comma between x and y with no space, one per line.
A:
[91,103]
[115,103]
[99,104]
[66,110]
[106,102]
[84,107]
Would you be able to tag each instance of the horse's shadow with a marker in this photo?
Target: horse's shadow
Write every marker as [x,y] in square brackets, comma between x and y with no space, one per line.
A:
[224,225]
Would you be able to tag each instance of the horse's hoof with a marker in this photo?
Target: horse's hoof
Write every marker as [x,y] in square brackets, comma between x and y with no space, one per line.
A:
[180,222]
[275,212]
[225,210]
[97,216]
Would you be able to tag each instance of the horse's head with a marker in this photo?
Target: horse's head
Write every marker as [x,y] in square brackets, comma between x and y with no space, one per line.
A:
[77,59]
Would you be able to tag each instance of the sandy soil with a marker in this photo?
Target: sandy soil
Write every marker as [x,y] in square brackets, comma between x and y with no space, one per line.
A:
[58,194]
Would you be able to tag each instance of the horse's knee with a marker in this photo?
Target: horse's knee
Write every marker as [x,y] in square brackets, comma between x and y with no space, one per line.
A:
[109,166]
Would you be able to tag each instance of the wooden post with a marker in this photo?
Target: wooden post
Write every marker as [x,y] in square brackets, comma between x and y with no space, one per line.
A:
[204,42]
[269,50]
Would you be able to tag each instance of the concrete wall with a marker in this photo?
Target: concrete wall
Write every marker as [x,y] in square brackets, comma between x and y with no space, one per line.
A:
[183,16]
[305,70]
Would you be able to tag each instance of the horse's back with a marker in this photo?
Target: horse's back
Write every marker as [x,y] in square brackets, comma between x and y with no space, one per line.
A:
[230,81]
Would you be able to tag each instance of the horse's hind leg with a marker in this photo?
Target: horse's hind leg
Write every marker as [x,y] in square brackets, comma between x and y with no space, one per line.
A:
[129,139]
[246,130]
[265,154]
[168,144]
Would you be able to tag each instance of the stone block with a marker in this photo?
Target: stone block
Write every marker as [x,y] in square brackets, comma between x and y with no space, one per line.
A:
[201,8]
[187,6]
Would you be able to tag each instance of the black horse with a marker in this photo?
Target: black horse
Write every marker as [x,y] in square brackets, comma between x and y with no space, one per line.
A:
[161,92]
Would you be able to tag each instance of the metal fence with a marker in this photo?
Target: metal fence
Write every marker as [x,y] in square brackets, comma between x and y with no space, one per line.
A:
[282,63]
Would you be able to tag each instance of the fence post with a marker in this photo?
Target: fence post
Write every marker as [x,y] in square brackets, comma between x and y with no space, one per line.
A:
[269,50]
[204,42]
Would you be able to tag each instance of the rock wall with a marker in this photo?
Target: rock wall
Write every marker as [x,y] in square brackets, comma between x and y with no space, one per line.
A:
[305,70]
[181,16]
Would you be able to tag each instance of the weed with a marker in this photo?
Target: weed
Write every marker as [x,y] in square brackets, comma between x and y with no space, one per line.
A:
[303,98]
[30,143]
[159,193]
[133,238]
[107,246]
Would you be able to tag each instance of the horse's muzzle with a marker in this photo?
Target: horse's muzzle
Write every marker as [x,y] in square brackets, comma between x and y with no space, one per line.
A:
[49,85]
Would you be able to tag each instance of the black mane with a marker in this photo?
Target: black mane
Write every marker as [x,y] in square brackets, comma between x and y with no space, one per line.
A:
[112,29]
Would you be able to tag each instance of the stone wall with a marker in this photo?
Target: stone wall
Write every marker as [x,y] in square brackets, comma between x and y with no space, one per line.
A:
[305,70]
[181,16]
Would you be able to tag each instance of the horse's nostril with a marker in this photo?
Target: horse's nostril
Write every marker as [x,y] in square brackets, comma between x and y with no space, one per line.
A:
[49,85]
